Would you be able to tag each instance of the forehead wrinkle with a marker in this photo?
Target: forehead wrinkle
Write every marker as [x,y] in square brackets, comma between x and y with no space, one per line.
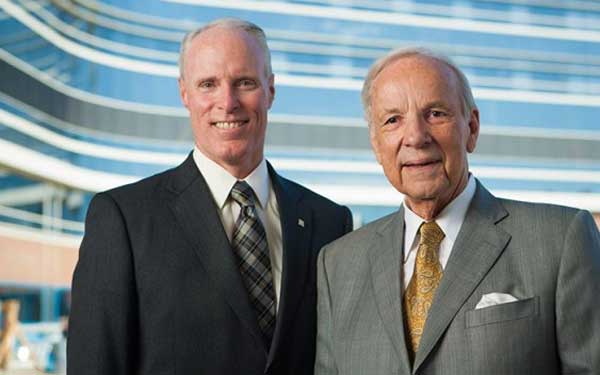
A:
[391,108]
[430,75]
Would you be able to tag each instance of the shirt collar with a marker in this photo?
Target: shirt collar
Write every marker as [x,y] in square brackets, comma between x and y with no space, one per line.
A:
[220,182]
[450,219]
[259,180]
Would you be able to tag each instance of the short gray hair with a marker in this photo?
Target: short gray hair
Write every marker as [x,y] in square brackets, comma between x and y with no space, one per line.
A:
[228,23]
[468,102]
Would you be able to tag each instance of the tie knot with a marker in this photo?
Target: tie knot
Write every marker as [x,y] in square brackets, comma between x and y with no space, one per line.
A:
[243,194]
[431,234]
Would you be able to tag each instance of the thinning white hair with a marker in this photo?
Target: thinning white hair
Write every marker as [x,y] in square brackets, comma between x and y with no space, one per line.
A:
[468,102]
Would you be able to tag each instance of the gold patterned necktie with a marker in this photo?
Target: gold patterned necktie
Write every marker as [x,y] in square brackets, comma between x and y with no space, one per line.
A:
[421,288]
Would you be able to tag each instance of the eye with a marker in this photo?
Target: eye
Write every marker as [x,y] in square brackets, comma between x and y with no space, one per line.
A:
[247,83]
[206,84]
[392,120]
[437,115]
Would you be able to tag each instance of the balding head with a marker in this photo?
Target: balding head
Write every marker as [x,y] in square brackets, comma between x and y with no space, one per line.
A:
[468,102]
[227,23]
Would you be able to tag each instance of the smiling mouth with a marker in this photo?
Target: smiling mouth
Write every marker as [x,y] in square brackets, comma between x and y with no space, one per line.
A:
[229,124]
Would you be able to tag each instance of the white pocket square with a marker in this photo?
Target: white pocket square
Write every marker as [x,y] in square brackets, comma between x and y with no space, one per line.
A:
[492,299]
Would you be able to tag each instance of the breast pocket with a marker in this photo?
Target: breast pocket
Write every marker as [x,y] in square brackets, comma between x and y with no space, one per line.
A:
[503,339]
[502,313]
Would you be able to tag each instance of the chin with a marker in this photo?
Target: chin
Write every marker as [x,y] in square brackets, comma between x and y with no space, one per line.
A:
[238,157]
[425,193]
[233,159]
[232,151]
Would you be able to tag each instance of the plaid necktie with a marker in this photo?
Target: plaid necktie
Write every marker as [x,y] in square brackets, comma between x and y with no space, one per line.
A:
[425,280]
[249,243]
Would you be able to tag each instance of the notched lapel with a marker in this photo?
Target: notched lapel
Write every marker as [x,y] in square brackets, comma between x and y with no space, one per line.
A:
[196,214]
[296,230]
[385,256]
[478,245]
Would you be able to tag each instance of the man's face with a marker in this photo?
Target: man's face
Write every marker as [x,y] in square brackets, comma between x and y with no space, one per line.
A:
[226,91]
[419,132]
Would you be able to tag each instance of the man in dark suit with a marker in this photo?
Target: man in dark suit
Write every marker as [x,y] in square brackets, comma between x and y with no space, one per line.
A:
[457,282]
[208,268]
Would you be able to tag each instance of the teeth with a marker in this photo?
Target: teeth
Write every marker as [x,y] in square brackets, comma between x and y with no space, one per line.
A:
[228,124]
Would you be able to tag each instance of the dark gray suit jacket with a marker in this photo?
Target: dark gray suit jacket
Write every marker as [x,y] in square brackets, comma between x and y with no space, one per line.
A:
[157,291]
[548,257]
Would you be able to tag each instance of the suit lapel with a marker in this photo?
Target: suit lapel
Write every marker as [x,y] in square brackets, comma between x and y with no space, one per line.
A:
[196,213]
[296,255]
[479,243]
[385,257]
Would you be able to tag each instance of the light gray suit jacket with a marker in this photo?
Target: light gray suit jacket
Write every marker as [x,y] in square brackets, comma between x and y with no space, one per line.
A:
[547,256]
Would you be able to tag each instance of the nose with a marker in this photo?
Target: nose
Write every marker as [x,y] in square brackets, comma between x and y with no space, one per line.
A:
[416,132]
[228,99]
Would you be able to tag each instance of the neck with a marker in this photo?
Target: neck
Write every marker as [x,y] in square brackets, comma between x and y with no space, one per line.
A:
[240,167]
[429,209]
[240,171]
[425,209]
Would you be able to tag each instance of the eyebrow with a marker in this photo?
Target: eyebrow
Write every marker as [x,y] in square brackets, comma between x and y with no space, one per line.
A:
[392,110]
[207,78]
[248,77]
[438,103]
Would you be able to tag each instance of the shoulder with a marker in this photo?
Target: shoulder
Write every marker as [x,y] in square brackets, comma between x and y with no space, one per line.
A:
[357,243]
[111,211]
[551,231]
[532,207]
[146,185]
[131,198]
[348,258]
[318,202]
[541,214]
[151,187]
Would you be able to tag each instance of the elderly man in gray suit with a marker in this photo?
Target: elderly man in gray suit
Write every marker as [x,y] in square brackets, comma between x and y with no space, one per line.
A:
[456,282]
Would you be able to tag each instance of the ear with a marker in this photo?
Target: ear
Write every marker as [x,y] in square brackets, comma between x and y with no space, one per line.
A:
[271,90]
[183,92]
[473,130]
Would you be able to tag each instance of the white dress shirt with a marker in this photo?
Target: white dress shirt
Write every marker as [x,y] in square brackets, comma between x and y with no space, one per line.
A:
[220,182]
[449,220]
